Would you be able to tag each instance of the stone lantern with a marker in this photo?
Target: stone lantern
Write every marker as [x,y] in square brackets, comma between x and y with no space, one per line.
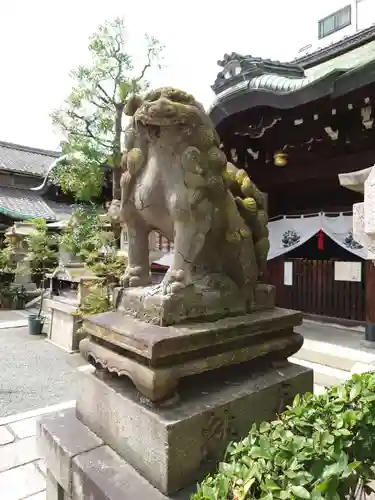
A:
[17,235]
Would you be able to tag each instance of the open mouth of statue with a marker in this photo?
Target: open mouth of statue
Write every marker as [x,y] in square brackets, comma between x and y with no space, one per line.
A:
[153,130]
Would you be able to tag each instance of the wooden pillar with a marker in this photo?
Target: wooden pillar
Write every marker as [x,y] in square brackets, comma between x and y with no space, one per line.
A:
[370,301]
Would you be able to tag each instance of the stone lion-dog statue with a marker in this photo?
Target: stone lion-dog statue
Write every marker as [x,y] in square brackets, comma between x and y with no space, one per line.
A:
[176,180]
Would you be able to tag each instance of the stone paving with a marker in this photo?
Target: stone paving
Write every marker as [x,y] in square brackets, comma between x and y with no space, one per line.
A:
[22,470]
[34,373]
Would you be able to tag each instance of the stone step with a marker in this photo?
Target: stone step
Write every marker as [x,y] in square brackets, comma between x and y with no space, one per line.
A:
[324,376]
[334,356]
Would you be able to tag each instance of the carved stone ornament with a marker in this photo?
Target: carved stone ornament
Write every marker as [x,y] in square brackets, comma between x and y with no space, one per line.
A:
[219,429]
[176,180]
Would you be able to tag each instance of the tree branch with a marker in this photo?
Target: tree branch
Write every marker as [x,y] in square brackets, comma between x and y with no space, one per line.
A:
[105,97]
[146,66]
[96,104]
[89,132]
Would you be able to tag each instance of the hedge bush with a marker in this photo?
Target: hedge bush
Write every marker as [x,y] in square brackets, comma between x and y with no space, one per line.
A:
[321,447]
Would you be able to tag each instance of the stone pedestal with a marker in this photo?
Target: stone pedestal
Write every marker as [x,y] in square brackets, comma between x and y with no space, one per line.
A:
[65,325]
[156,358]
[117,445]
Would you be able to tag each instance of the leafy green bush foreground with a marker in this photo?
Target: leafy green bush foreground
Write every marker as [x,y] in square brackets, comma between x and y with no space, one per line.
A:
[322,447]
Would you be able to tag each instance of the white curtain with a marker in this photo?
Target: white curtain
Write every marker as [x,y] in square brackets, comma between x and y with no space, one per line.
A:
[289,233]
[340,229]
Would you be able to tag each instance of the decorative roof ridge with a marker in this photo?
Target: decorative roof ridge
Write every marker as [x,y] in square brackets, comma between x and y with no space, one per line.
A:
[29,149]
[336,49]
[237,68]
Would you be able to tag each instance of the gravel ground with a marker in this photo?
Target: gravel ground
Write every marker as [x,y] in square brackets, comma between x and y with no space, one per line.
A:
[33,372]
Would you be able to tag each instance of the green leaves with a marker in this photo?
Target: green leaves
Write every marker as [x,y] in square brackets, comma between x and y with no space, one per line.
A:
[320,448]
[87,117]
[41,248]
[125,89]
[300,492]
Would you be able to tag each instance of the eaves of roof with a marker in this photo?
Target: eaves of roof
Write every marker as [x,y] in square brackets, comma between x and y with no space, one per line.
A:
[285,93]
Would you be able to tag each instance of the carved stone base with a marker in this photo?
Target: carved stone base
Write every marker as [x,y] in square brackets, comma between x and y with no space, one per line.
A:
[121,447]
[198,301]
[157,358]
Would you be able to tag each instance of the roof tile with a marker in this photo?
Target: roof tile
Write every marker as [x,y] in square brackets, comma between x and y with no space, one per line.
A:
[22,159]
[24,204]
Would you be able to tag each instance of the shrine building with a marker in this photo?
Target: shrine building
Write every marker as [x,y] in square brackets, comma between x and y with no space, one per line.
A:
[294,127]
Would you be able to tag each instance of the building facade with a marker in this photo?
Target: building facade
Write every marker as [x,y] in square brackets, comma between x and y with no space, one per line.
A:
[335,20]
[294,127]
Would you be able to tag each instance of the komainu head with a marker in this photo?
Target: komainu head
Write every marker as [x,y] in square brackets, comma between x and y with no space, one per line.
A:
[165,106]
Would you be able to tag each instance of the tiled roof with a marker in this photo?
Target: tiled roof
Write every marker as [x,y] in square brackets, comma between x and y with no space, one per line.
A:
[62,211]
[247,82]
[25,160]
[24,204]
[237,68]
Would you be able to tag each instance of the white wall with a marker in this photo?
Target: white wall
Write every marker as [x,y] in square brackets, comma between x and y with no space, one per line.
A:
[363,16]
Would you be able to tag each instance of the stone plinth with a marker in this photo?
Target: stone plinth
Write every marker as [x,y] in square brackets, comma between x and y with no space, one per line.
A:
[156,358]
[128,447]
[65,325]
[197,302]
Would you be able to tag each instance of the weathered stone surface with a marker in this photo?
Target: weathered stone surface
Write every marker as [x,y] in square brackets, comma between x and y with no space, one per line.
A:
[165,355]
[174,446]
[157,384]
[6,437]
[151,305]
[60,437]
[101,474]
[21,482]
[162,345]
[18,453]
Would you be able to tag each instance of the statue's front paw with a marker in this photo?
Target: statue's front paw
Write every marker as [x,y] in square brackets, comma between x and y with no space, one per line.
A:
[133,277]
[173,281]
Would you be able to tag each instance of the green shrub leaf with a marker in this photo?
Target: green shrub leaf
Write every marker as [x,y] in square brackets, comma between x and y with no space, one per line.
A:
[300,492]
[321,448]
